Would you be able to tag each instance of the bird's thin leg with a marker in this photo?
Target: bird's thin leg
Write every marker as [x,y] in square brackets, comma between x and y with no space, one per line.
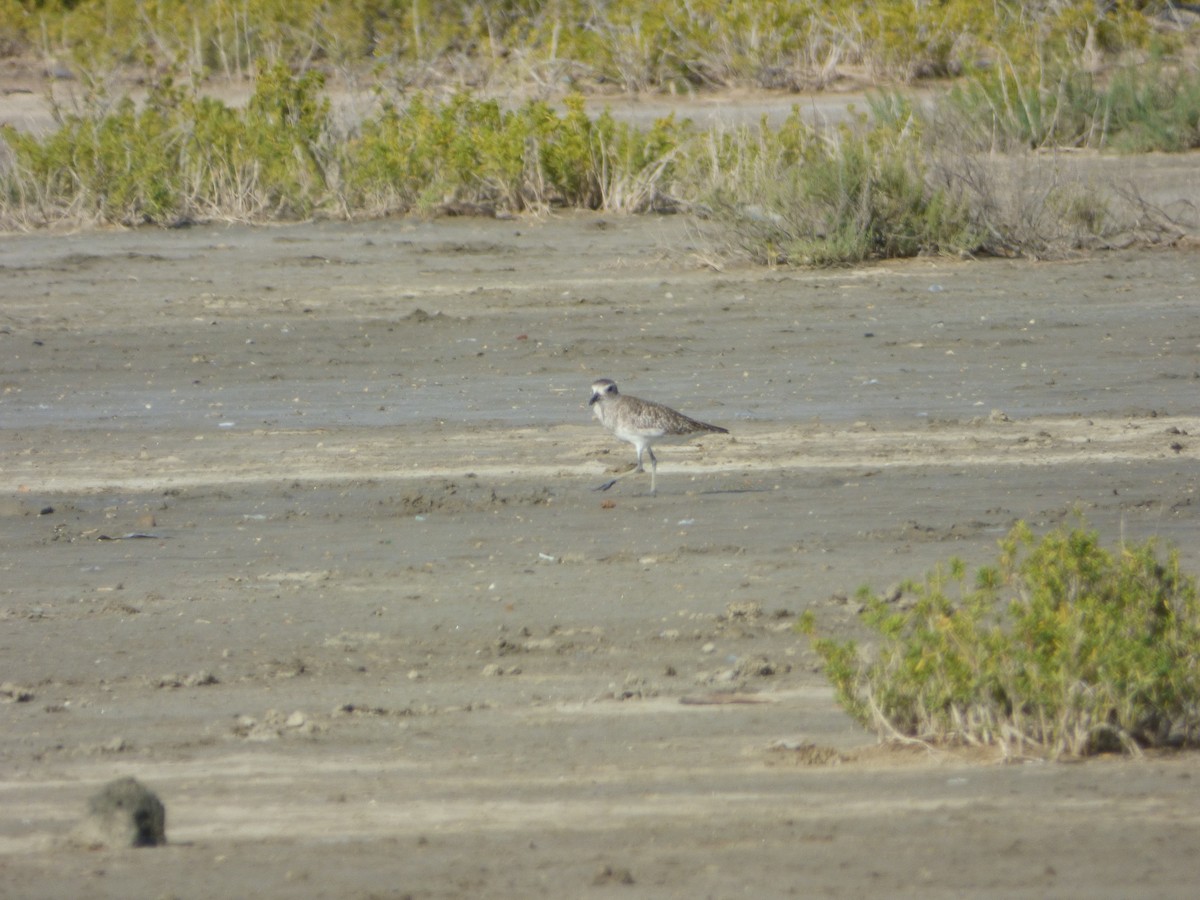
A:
[653,471]
[633,471]
[606,485]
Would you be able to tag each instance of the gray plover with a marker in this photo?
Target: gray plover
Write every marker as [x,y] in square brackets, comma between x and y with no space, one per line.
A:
[642,423]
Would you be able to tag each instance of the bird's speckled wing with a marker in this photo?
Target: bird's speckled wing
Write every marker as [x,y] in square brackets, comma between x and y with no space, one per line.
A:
[654,417]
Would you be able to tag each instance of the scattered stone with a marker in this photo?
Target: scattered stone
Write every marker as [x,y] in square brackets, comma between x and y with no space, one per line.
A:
[358,709]
[758,667]
[196,679]
[420,316]
[296,720]
[806,753]
[275,724]
[613,875]
[262,733]
[504,647]
[744,610]
[634,688]
[124,813]
[115,745]
[13,693]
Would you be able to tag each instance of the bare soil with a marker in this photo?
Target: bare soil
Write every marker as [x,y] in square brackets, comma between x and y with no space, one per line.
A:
[297,527]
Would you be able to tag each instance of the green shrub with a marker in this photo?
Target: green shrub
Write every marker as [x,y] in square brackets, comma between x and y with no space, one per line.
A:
[1139,109]
[466,149]
[117,167]
[636,44]
[892,184]
[1060,648]
[530,157]
[1153,109]
[178,155]
[800,195]
[283,156]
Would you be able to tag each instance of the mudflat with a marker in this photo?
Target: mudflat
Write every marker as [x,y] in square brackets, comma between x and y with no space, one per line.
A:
[297,527]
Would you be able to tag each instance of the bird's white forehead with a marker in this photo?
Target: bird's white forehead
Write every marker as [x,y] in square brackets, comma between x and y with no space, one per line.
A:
[600,385]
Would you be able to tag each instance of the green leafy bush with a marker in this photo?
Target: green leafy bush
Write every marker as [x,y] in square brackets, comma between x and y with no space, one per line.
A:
[1060,648]
[1153,109]
[283,156]
[801,195]
[177,156]
[533,156]
[891,184]
[116,167]
[636,44]
[1137,109]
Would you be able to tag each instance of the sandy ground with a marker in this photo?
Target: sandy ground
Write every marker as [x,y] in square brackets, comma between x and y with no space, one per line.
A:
[296,526]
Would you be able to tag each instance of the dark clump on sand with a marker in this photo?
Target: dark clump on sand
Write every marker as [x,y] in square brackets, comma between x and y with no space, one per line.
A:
[124,813]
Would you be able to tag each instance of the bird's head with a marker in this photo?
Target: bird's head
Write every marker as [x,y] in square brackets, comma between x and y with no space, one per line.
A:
[601,387]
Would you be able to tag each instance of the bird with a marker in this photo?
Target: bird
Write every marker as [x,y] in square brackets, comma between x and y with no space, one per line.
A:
[642,423]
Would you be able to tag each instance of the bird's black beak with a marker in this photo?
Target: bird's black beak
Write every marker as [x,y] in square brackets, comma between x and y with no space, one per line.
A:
[595,397]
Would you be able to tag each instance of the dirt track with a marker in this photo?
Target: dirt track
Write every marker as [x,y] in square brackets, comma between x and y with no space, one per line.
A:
[381,639]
